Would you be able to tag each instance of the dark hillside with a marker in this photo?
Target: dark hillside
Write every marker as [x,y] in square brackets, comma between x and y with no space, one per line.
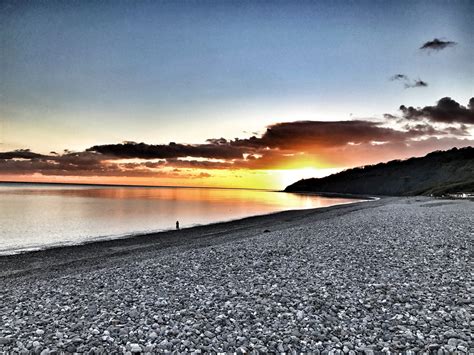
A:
[437,173]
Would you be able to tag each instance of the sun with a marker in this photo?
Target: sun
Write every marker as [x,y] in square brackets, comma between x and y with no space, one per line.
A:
[290,176]
[287,177]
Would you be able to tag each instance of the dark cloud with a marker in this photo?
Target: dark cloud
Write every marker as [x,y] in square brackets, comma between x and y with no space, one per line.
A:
[462,130]
[199,164]
[437,45]
[179,163]
[390,116]
[212,150]
[407,82]
[316,134]
[399,77]
[446,111]
[20,154]
[218,141]
[416,84]
[67,164]
[82,164]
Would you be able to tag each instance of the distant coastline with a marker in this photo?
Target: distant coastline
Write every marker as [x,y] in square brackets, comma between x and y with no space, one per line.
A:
[143,186]
[321,194]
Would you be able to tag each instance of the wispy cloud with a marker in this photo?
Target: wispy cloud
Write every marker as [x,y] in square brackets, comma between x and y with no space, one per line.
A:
[437,45]
[399,77]
[407,82]
[416,84]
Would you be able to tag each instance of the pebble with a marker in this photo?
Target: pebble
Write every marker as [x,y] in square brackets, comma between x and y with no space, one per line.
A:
[135,348]
[4,341]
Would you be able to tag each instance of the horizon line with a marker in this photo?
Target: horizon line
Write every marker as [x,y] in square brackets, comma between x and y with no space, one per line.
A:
[134,185]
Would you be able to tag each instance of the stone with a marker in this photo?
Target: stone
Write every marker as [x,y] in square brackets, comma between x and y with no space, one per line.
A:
[36,344]
[209,334]
[5,341]
[135,348]
[453,342]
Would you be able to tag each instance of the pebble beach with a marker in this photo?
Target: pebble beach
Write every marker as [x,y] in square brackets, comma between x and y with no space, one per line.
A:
[392,275]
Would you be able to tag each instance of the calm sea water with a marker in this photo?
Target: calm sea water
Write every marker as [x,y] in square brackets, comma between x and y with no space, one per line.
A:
[36,216]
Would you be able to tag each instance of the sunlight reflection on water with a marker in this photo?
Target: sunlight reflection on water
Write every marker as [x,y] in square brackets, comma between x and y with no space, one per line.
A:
[44,215]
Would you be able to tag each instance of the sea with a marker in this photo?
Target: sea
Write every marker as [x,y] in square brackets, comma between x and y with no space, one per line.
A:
[39,216]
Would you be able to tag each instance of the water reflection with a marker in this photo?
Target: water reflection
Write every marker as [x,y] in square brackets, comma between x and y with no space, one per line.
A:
[39,215]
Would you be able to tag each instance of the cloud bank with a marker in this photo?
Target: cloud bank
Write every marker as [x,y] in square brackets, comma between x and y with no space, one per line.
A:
[299,144]
[446,110]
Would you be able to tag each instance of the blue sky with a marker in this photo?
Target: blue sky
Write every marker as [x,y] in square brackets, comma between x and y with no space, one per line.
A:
[74,74]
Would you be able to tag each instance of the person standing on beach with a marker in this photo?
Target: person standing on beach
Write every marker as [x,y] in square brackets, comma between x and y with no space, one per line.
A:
[177,225]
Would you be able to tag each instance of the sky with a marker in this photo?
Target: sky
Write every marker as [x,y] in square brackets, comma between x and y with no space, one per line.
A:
[249,93]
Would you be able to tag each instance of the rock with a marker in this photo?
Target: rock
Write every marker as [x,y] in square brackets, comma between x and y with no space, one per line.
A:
[135,348]
[453,342]
[165,344]
[77,340]
[5,341]
[71,348]
[208,334]
[133,313]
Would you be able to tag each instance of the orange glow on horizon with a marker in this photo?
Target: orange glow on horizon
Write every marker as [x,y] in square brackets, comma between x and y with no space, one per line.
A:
[276,179]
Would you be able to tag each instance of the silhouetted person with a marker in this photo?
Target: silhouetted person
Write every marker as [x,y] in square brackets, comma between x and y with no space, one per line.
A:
[177,225]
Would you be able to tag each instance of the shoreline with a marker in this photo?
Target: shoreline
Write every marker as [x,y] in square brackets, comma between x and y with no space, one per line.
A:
[53,255]
[129,235]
